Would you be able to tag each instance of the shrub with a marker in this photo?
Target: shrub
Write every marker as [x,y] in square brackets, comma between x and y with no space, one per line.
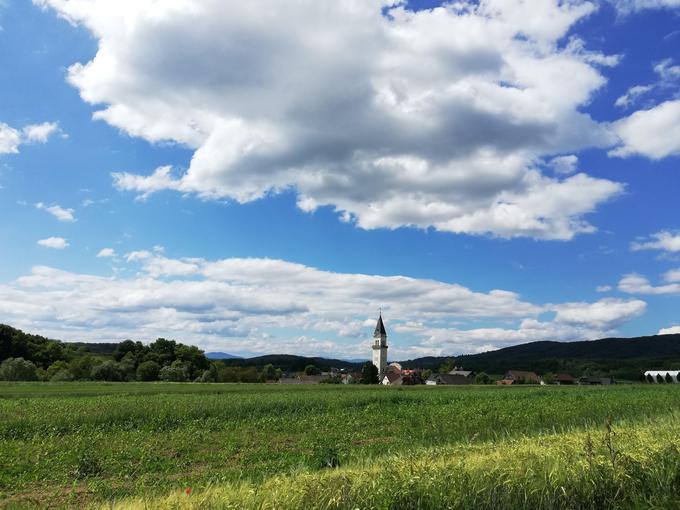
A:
[312,370]
[148,371]
[18,369]
[62,376]
[660,379]
[482,378]
[176,372]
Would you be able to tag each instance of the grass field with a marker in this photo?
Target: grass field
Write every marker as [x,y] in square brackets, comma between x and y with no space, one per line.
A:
[267,446]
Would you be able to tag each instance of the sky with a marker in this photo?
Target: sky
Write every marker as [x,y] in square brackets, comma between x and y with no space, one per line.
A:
[264,176]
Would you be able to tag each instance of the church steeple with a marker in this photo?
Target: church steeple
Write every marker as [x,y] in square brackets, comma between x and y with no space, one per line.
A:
[380,328]
[380,346]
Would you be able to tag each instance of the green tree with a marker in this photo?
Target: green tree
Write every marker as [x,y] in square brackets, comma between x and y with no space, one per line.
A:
[447,366]
[549,378]
[177,372]
[81,367]
[56,367]
[107,371]
[269,373]
[426,374]
[62,376]
[482,378]
[17,369]
[659,378]
[650,378]
[669,378]
[148,371]
[312,370]
[369,374]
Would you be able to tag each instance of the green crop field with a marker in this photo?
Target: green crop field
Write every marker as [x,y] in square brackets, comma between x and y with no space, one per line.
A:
[141,445]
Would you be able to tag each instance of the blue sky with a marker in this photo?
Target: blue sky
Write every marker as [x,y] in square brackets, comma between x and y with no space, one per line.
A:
[261,179]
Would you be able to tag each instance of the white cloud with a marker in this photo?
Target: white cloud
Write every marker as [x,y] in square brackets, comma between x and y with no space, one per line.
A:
[634,283]
[564,164]
[10,139]
[57,211]
[653,133]
[40,133]
[265,305]
[629,6]
[672,276]
[668,79]
[437,118]
[673,330]
[58,243]
[605,315]
[106,253]
[664,240]
[603,288]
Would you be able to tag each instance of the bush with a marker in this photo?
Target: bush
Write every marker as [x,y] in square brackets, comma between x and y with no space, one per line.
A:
[107,371]
[18,369]
[482,378]
[312,370]
[62,376]
[176,372]
[148,371]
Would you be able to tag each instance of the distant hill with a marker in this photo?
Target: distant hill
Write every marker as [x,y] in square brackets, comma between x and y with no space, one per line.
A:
[292,363]
[621,357]
[221,355]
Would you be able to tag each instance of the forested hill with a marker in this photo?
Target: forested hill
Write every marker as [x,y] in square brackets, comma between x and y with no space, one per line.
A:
[623,357]
[292,363]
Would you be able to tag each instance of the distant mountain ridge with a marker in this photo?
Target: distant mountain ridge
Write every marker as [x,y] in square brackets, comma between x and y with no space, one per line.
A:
[221,355]
[625,358]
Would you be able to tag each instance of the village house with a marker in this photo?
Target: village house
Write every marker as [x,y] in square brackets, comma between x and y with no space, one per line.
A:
[562,379]
[519,377]
[448,379]
[392,379]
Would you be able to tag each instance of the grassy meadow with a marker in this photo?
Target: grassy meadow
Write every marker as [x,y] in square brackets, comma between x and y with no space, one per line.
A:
[141,445]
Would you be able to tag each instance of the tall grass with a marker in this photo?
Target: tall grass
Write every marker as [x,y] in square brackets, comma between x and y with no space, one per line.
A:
[77,444]
[631,466]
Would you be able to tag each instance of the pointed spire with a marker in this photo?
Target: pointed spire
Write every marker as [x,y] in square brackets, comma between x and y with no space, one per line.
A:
[380,327]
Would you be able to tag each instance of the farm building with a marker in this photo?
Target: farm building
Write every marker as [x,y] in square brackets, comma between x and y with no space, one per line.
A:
[448,379]
[392,379]
[667,376]
[564,379]
[590,381]
[520,377]
[465,373]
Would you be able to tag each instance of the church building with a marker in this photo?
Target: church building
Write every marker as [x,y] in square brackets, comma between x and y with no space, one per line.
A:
[380,347]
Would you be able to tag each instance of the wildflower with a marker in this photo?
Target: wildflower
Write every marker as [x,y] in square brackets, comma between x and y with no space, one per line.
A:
[187,490]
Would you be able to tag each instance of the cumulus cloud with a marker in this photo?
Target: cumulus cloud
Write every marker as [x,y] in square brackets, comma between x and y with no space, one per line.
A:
[40,133]
[266,305]
[668,78]
[438,118]
[106,253]
[58,243]
[664,240]
[634,283]
[57,211]
[673,330]
[653,133]
[11,138]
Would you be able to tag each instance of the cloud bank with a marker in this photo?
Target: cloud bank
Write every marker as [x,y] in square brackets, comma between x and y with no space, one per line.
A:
[268,306]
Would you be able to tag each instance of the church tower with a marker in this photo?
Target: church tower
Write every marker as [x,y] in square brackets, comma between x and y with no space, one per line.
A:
[380,347]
